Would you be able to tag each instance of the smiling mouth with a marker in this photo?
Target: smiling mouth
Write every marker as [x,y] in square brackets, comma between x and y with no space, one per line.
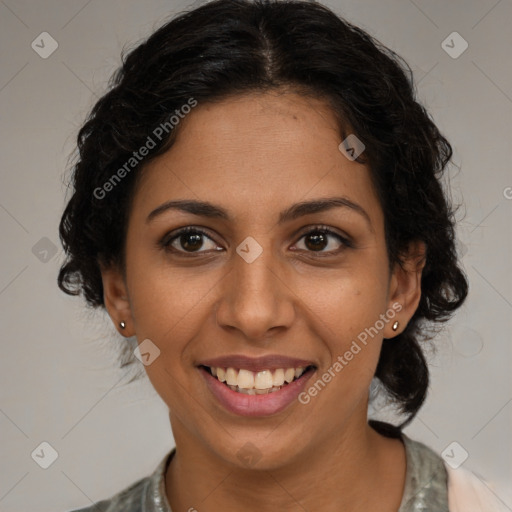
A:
[257,383]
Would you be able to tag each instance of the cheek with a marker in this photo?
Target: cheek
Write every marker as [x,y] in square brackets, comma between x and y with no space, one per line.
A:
[167,299]
[346,304]
[347,313]
[168,307]
[353,344]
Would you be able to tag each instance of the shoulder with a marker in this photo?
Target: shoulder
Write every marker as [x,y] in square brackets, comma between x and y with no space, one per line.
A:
[426,479]
[463,490]
[468,493]
[127,500]
[146,494]
[421,457]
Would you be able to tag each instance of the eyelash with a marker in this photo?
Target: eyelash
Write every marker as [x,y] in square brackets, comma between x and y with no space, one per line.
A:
[166,241]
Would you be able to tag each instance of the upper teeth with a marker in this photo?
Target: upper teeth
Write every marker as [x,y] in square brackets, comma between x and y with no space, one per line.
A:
[266,379]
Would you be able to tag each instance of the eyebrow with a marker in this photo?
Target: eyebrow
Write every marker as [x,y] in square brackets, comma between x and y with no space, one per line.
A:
[205,209]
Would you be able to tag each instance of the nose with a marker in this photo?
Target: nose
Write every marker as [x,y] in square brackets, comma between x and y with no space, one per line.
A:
[257,297]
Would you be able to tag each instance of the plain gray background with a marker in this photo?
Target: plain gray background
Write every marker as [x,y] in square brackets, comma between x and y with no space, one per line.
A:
[61,380]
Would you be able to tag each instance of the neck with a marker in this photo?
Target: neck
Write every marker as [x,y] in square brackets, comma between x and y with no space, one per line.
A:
[357,469]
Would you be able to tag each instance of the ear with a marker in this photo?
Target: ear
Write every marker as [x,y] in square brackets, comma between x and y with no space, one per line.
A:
[115,296]
[405,287]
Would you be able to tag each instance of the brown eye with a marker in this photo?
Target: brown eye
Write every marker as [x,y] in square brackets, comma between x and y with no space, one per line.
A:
[320,238]
[191,241]
[316,241]
[187,240]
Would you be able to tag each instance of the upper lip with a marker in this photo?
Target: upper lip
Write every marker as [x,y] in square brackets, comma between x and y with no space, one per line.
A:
[256,364]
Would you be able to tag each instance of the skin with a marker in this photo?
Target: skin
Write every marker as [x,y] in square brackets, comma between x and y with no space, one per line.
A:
[255,155]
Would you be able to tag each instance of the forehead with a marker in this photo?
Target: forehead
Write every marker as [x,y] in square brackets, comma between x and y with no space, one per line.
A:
[263,151]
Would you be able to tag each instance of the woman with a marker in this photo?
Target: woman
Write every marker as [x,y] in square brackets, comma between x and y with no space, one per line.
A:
[258,200]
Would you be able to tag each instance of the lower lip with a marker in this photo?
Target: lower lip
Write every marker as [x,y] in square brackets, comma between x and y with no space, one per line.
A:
[256,405]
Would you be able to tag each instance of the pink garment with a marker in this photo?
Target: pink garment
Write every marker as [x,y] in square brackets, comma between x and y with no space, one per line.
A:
[467,493]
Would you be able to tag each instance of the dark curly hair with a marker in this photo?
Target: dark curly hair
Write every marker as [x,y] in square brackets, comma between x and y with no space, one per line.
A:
[229,47]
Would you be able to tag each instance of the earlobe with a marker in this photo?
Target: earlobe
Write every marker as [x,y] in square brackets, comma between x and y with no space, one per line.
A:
[115,296]
[405,286]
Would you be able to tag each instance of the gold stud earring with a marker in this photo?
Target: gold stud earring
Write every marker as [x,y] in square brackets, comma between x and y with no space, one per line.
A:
[395,326]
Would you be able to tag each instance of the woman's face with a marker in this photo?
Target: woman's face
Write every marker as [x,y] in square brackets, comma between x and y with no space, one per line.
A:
[256,284]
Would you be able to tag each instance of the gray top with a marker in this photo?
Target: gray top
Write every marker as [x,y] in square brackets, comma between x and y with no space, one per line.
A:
[426,486]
